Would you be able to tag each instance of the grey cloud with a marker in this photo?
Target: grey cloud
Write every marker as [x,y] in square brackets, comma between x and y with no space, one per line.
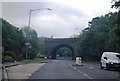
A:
[17,14]
[20,10]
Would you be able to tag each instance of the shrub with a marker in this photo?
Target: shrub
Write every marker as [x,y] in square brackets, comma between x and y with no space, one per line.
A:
[8,59]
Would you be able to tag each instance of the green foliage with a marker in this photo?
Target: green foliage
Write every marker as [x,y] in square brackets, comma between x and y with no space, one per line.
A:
[33,60]
[8,59]
[31,37]
[116,30]
[103,34]
[41,44]
[116,4]
[98,37]
[64,52]
[14,39]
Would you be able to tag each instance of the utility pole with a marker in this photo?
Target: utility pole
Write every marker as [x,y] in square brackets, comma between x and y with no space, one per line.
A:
[28,42]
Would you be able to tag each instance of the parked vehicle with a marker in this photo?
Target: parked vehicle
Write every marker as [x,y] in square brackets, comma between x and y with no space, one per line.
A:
[110,60]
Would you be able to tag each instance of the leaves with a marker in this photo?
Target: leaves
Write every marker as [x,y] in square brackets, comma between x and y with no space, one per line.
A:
[14,39]
[116,4]
[100,36]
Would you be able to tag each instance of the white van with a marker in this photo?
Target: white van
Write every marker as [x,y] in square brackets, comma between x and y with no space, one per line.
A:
[110,60]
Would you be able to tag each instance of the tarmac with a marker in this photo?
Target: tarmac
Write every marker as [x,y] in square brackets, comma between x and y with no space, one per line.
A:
[22,71]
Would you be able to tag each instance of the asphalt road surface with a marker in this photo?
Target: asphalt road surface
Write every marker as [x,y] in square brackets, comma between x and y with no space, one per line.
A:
[64,69]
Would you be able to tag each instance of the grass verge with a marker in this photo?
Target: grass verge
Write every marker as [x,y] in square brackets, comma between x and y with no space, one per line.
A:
[35,60]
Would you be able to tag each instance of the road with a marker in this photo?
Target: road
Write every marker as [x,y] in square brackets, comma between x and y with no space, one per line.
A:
[64,69]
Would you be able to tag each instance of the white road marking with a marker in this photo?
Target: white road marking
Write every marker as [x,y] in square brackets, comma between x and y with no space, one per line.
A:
[91,67]
[81,72]
[70,65]
[28,75]
[88,76]
[74,68]
[55,60]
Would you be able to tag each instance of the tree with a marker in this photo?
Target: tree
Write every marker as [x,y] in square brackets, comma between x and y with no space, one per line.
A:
[41,45]
[98,37]
[12,40]
[31,37]
[64,52]
[116,4]
[116,32]
[102,34]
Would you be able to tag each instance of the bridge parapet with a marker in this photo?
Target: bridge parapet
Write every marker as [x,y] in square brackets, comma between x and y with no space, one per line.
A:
[52,43]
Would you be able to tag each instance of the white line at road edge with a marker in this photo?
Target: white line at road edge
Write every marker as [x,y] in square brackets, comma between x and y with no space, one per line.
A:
[91,67]
[74,68]
[88,76]
[80,72]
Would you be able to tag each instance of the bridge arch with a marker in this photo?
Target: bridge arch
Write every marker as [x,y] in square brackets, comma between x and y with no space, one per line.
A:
[51,45]
[57,47]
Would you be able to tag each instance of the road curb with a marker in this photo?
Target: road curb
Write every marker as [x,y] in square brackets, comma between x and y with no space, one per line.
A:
[44,61]
[11,64]
[4,71]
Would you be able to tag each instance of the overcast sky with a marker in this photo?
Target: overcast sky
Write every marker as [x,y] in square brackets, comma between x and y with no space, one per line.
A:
[68,17]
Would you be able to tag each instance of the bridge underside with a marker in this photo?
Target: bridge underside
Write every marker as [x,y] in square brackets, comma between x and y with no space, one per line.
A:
[53,45]
[54,52]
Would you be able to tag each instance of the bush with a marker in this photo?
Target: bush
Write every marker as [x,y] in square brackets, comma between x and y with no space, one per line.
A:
[8,59]
[11,54]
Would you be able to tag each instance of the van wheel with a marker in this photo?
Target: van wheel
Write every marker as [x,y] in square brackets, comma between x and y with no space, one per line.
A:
[101,67]
[107,66]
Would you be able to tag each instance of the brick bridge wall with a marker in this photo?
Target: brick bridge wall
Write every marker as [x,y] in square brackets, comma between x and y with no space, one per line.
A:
[51,43]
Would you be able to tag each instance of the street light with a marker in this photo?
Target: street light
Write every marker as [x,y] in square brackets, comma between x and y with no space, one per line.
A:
[36,10]
[27,44]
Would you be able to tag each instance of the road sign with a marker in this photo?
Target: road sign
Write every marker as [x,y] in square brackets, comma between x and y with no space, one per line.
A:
[27,43]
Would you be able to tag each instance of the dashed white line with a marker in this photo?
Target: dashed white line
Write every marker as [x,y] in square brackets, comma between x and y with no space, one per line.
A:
[74,68]
[88,76]
[70,65]
[91,67]
[80,72]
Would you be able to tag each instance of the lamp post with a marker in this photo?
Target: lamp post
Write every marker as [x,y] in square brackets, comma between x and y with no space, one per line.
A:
[28,44]
[36,10]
